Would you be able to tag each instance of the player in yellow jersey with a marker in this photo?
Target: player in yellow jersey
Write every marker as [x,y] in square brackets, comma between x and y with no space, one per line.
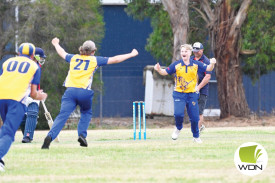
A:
[19,78]
[78,84]
[186,75]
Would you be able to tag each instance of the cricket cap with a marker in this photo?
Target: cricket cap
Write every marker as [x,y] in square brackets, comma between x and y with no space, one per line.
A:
[197,46]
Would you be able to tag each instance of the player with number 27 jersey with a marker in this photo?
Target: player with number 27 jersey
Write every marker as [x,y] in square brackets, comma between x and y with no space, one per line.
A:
[84,67]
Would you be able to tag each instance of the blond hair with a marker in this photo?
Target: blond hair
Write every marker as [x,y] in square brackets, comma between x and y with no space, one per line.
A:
[187,47]
[87,48]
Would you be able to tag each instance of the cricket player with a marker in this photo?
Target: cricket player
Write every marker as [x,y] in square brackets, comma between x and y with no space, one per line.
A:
[78,84]
[186,71]
[19,78]
[29,121]
[204,78]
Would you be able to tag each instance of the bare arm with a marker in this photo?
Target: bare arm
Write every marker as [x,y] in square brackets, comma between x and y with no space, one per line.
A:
[61,52]
[160,70]
[205,80]
[37,95]
[211,66]
[120,58]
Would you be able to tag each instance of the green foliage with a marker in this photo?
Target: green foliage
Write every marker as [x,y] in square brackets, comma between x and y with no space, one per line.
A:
[160,42]
[198,31]
[73,22]
[258,33]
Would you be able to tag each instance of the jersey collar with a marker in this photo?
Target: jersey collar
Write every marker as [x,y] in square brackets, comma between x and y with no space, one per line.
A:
[191,62]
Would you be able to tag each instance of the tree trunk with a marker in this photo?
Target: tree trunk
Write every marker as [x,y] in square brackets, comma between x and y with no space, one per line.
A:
[226,36]
[179,18]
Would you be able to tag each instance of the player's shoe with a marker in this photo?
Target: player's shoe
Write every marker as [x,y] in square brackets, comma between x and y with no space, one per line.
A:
[175,134]
[26,140]
[202,128]
[47,142]
[82,141]
[2,166]
[198,140]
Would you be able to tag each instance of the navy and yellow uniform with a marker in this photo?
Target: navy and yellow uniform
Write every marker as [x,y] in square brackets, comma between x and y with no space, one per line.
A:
[204,90]
[17,73]
[204,60]
[78,83]
[184,94]
[16,77]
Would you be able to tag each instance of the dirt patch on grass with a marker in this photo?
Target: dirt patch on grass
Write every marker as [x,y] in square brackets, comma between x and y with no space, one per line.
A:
[164,121]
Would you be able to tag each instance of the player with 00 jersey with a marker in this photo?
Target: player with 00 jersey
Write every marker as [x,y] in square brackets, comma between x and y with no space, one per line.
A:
[78,84]
[19,78]
[186,71]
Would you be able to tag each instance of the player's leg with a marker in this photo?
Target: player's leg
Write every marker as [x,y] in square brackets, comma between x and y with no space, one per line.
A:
[3,111]
[68,104]
[202,104]
[85,102]
[13,112]
[31,121]
[179,105]
[193,113]
[23,123]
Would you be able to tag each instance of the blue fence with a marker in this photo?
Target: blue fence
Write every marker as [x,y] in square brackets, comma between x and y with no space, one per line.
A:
[123,82]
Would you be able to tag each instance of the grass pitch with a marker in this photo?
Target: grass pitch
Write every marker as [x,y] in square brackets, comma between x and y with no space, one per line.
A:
[112,156]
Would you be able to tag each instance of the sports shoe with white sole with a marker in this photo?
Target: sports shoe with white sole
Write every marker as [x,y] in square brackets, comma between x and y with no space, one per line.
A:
[198,140]
[202,128]
[175,134]
[2,166]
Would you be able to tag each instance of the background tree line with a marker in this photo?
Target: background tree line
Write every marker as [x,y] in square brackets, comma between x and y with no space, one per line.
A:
[240,33]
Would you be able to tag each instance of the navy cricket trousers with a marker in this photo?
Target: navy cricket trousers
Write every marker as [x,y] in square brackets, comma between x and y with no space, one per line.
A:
[71,98]
[12,113]
[190,101]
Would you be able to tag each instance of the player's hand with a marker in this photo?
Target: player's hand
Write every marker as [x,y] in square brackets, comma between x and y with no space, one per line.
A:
[42,95]
[157,67]
[197,90]
[212,61]
[55,41]
[134,52]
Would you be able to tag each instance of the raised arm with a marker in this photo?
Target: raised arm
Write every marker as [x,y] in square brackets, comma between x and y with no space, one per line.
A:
[61,52]
[160,70]
[210,67]
[120,58]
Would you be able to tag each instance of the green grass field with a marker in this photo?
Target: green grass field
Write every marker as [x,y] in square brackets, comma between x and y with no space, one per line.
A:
[112,156]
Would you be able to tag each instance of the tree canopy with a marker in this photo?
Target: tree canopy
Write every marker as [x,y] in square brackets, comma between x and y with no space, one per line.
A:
[229,33]
[258,39]
[160,41]
[258,32]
